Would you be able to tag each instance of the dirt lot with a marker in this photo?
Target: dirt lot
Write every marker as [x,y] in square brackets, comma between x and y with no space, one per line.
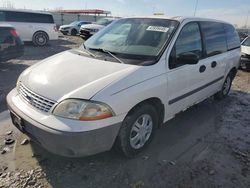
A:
[206,146]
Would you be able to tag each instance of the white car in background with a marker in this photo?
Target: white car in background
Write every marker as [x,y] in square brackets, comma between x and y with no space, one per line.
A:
[245,54]
[72,28]
[88,30]
[38,27]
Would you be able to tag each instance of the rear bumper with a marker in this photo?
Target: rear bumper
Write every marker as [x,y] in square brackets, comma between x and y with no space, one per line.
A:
[65,143]
[12,53]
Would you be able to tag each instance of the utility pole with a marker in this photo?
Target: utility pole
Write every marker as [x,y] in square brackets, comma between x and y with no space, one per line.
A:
[196,4]
[247,19]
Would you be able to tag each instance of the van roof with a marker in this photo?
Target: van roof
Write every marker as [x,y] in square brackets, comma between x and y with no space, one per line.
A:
[25,10]
[181,18]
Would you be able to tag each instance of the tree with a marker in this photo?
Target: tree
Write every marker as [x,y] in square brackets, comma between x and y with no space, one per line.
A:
[8,4]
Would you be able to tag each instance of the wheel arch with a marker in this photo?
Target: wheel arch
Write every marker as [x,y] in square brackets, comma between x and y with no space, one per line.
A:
[157,104]
[233,72]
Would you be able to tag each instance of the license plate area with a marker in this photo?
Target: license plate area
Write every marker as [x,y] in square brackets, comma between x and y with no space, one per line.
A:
[17,121]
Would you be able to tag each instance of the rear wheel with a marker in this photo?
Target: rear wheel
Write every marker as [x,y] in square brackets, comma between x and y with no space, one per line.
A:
[40,38]
[137,130]
[225,88]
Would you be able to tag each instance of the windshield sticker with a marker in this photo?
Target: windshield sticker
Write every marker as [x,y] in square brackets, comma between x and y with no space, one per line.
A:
[158,29]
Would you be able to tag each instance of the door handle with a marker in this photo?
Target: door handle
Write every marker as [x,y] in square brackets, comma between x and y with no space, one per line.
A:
[202,68]
[213,64]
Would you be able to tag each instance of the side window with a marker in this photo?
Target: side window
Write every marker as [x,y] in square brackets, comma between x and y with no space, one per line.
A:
[233,39]
[12,16]
[188,44]
[5,37]
[215,38]
[2,16]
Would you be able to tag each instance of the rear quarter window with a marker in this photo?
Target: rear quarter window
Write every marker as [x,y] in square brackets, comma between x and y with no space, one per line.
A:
[215,39]
[232,36]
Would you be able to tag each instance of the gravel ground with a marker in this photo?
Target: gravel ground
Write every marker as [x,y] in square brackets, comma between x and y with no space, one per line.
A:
[206,146]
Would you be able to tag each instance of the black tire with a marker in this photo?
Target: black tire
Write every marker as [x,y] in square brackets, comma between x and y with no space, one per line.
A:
[225,88]
[123,141]
[73,32]
[40,38]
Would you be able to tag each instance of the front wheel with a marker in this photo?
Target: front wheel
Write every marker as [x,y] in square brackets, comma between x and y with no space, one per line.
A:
[137,130]
[225,88]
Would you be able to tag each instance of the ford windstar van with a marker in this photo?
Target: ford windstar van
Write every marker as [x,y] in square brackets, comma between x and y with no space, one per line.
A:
[123,83]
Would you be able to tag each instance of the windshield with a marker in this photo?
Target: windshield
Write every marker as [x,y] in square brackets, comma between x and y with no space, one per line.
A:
[103,22]
[134,38]
[246,42]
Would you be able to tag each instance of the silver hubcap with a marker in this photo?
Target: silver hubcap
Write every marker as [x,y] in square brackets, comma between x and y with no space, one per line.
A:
[141,131]
[226,86]
[41,39]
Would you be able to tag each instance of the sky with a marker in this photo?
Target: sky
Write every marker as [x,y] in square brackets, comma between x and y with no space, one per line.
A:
[234,11]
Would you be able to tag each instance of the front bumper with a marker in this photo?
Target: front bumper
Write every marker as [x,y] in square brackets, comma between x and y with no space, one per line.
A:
[65,32]
[245,62]
[66,143]
[84,33]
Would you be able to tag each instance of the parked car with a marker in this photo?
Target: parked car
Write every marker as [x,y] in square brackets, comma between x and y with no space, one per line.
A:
[38,27]
[242,36]
[245,54]
[72,28]
[88,30]
[11,45]
[119,87]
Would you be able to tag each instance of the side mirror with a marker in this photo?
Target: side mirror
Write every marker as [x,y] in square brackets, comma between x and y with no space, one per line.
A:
[188,58]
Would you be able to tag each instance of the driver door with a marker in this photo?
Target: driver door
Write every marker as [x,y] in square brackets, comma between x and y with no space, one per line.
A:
[185,81]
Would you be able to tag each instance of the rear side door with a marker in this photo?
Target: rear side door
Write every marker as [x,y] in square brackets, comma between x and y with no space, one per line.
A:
[20,21]
[215,57]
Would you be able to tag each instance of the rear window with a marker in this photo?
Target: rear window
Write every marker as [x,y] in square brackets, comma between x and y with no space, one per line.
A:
[5,36]
[246,42]
[11,16]
[215,38]
[2,16]
[233,39]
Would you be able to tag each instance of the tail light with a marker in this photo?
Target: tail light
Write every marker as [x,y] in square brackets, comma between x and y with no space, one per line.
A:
[13,33]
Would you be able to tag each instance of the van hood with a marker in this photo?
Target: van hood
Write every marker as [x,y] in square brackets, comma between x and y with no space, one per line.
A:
[70,74]
[92,26]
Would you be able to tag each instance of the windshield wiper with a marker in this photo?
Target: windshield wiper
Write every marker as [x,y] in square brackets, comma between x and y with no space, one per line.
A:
[108,52]
[93,55]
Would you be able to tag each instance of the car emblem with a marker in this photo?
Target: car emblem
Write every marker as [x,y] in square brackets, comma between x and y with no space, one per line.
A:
[29,98]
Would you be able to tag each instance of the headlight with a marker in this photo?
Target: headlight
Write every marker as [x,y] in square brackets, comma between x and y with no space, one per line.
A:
[64,28]
[83,110]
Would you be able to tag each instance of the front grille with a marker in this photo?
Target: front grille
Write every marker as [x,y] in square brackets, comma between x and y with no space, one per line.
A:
[37,101]
[85,32]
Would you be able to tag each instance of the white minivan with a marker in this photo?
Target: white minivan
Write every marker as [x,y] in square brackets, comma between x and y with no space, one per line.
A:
[38,27]
[122,84]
